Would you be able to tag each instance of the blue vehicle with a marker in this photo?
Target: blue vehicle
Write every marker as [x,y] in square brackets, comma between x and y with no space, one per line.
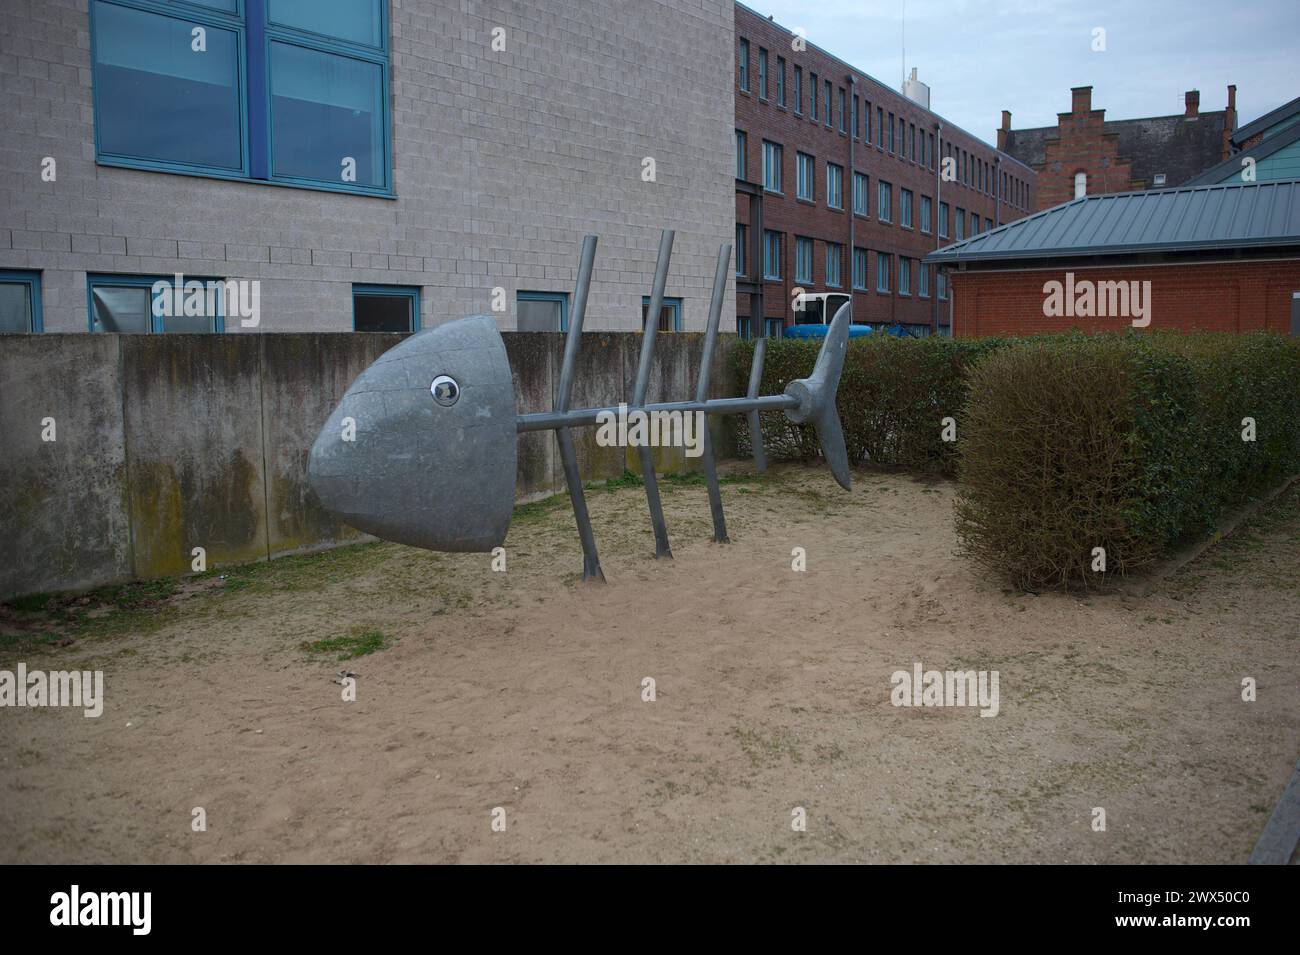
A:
[818,310]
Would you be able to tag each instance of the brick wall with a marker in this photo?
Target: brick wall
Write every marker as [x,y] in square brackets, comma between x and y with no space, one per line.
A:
[1225,297]
[501,162]
[796,132]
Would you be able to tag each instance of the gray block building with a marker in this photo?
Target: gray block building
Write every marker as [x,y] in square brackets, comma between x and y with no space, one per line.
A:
[338,165]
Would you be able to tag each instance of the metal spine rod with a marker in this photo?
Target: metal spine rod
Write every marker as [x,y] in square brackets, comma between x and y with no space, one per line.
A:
[642,384]
[755,426]
[702,391]
[583,417]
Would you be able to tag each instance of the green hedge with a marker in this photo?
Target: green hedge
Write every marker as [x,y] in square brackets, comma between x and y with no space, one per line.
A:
[1132,443]
[894,394]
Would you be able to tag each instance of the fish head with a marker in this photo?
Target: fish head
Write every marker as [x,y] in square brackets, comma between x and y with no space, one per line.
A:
[421,448]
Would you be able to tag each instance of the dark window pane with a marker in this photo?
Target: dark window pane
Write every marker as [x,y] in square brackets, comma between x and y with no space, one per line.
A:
[537,316]
[225,6]
[326,110]
[382,313]
[160,99]
[15,307]
[121,309]
[355,20]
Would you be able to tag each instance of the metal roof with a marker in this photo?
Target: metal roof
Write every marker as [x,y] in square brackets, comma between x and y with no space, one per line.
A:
[1271,118]
[1225,216]
[1262,150]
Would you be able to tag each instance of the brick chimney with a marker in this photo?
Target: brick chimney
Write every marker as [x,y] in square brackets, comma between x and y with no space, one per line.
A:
[1192,99]
[1004,129]
[1080,99]
[1230,121]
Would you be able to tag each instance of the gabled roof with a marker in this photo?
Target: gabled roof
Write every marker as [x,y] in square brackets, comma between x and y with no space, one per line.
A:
[1177,146]
[1228,216]
[1254,127]
[1232,165]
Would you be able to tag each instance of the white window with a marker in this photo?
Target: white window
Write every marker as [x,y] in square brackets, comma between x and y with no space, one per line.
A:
[1080,184]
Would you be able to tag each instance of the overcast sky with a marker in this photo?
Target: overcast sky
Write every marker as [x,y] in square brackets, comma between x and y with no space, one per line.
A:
[982,56]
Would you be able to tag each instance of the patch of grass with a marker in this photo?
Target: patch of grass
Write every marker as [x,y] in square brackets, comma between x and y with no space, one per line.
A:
[358,643]
[31,603]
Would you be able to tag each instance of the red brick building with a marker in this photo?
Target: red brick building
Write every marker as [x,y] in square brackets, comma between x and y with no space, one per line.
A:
[1084,153]
[1214,258]
[840,186]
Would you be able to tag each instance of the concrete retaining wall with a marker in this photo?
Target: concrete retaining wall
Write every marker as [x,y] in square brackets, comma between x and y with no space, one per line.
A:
[169,442]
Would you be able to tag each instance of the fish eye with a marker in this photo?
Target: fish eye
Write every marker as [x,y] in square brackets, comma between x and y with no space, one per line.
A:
[445,391]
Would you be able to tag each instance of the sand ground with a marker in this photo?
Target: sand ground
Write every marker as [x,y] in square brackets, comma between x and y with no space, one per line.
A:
[523,690]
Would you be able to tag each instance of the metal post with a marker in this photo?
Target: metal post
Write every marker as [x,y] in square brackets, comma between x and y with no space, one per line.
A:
[642,384]
[702,391]
[755,427]
[572,479]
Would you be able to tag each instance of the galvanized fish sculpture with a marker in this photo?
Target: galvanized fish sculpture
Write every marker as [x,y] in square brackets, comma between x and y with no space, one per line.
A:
[421,450]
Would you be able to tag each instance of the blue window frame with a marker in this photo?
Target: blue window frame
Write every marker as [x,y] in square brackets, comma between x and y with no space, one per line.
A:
[385,308]
[143,304]
[772,327]
[290,92]
[742,326]
[542,311]
[20,302]
[670,317]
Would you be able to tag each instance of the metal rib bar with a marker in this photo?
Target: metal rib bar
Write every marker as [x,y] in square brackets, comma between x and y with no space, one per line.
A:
[755,427]
[702,392]
[572,479]
[642,383]
[582,417]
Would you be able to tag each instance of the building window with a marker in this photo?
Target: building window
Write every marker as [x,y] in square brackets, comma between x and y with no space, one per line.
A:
[771,166]
[742,247]
[741,147]
[385,308]
[943,220]
[1159,179]
[806,184]
[902,136]
[861,194]
[974,223]
[803,260]
[884,201]
[891,132]
[743,56]
[812,96]
[882,271]
[772,327]
[542,311]
[827,103]
[834,264]
[834,186]
[904,276]
[1080,184]
[923,280]
[844,119]
[780,81]
[880,126]
[860,269]
[771,254]
[762,73]
[905,210]
[306,106]
[798,89]
[857,117]
[941,283]
[911,141]
[20,302]
[959,220]
[988,224]
[930,151]
[141,304]
[927,208]
[670,314]
[742,326]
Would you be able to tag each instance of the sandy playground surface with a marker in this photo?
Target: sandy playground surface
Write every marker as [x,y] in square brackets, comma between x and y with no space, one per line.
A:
[523,690]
